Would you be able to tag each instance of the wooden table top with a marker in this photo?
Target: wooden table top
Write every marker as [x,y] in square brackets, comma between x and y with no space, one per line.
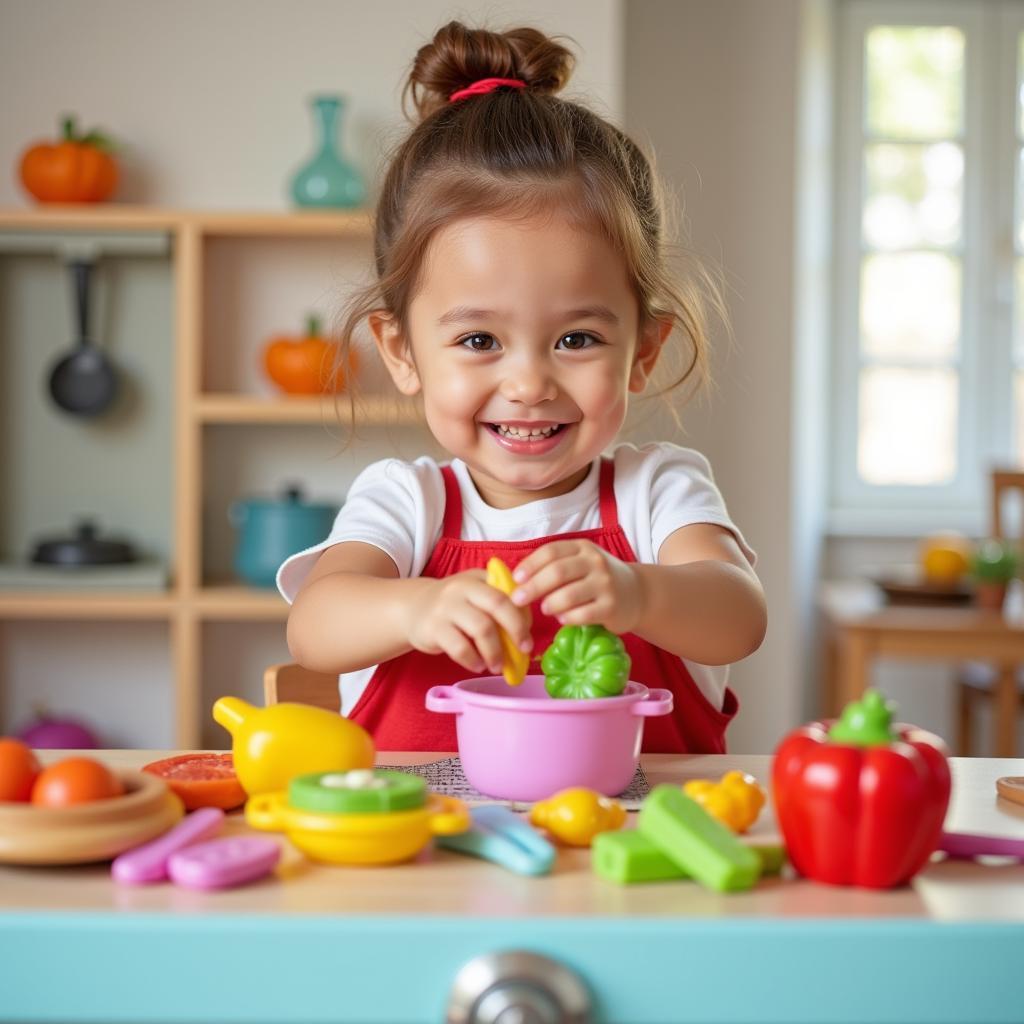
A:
[862,603]
[441,882]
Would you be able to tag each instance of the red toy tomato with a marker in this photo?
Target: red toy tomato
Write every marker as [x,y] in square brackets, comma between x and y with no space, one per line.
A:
[18,769]
[861,802]
[75,780]
[201,780]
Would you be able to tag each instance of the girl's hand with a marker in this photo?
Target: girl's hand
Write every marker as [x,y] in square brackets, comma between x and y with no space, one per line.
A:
[459,616]
[580,584]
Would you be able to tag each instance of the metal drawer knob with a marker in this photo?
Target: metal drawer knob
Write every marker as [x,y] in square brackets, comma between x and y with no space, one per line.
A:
[517,987]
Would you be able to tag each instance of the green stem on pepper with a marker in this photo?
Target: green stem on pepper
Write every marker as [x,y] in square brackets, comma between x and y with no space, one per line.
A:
[865,723]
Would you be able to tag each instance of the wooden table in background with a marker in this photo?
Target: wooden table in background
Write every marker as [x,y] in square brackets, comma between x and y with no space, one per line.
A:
[861,627]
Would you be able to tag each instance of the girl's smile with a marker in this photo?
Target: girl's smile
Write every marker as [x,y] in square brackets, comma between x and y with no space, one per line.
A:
[529,437]
[524,338]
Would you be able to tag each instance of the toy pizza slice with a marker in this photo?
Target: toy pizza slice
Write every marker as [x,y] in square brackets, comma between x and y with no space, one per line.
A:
[516,662]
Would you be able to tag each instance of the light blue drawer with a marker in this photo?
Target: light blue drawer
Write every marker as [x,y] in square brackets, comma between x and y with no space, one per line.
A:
[273,968]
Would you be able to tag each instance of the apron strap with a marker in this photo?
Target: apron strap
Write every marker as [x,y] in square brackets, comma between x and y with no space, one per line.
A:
[452,527]
[606,494]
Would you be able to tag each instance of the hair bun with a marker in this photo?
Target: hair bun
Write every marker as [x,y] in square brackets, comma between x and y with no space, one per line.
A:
[458,56]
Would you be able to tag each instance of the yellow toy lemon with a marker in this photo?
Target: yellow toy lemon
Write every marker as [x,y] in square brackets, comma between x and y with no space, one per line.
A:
[945,557]
[576,815]
[735,800]
[516,662]
[273,745]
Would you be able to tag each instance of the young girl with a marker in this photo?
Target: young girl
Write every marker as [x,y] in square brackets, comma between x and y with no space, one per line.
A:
[522,292]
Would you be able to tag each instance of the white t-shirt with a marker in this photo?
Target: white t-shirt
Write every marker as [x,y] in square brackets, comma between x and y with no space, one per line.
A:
[399,507]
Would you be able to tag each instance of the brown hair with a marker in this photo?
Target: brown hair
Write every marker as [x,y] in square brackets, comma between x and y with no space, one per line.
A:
[514,152]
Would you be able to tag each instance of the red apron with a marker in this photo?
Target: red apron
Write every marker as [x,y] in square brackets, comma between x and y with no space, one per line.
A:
[392,707]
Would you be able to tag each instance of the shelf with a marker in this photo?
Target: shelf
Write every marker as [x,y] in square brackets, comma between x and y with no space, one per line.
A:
[118,216]
[234,602]
[229,602]
[287,223]
[92,216]
[53,604]
[253,409]
[206,249]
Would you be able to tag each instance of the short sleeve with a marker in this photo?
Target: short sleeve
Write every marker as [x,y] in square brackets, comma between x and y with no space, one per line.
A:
[395,506]
[667,487]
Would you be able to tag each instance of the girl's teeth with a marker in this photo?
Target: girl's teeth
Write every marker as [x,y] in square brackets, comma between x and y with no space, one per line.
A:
[523,433]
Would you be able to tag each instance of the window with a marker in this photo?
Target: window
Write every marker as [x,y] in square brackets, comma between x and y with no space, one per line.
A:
[929,367]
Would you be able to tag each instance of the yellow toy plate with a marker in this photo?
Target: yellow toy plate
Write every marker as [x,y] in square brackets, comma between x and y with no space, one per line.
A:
[386,838]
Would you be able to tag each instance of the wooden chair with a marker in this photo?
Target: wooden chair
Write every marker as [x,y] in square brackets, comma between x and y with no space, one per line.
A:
[295,684]
[975,679]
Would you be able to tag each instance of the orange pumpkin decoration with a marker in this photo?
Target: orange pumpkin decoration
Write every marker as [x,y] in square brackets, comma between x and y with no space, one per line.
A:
[73,170]
[304,365]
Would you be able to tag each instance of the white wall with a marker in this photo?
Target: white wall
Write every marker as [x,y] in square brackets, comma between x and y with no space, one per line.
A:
[713,86]
[210,96]
[736,97]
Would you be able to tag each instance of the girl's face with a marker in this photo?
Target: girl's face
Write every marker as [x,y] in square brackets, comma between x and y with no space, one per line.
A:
[524,338]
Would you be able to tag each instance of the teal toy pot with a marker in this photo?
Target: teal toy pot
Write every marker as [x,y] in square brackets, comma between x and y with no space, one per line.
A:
[269,530]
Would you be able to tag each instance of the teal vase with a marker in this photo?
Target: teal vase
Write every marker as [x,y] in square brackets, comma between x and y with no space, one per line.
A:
[328,179]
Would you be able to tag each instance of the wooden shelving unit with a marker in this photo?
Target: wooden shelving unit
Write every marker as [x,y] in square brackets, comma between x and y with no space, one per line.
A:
[33,604]
[191,600]
[373,410]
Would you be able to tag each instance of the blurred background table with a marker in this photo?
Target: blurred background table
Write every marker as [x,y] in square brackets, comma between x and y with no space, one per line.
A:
[860,626]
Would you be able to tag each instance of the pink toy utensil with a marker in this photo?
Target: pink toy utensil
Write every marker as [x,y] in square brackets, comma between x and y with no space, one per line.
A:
[967,844]
[223,863]
[148,863]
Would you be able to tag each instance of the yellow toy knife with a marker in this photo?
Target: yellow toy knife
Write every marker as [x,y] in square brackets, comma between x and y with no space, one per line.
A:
[516,662]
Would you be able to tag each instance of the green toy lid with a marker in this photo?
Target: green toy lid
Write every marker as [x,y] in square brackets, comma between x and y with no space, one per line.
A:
[360,791]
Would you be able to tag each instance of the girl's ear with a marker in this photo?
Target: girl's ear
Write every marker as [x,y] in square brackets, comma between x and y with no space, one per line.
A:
[652,337]
[395,352]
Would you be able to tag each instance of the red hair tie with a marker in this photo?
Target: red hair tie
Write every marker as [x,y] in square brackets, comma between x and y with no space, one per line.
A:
[485,85]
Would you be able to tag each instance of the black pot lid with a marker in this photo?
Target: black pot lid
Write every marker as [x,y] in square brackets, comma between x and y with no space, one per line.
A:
[84,547]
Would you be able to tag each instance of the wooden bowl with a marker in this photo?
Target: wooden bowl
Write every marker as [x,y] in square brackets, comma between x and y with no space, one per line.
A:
[98,830]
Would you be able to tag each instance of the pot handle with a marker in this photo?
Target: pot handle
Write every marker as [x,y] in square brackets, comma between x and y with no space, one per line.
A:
[656,702]
[265,811]
[448,815]
[445,699]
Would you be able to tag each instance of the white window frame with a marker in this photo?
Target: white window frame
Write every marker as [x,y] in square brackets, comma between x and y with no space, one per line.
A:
[985,414]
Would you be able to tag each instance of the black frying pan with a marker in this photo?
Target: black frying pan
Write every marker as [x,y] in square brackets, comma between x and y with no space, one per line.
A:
[83,382]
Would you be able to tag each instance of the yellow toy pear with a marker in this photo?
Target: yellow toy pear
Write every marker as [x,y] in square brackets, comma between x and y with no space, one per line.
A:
[272,745]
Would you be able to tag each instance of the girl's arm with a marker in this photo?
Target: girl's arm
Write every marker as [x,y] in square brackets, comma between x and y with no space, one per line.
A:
[702,601]
[354,611]
[350,610]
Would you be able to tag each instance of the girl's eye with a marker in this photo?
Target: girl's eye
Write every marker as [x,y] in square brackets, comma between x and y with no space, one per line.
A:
[576,340]
[479,342]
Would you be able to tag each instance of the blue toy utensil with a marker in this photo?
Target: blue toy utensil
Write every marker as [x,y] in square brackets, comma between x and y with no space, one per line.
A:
[500,835]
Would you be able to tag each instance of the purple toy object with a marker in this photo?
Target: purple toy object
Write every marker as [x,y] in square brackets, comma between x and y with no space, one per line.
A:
[967,844]
[223,863]
[148,863]
[48,733]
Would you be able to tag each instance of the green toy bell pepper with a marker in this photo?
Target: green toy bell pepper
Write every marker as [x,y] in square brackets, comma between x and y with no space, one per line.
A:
[585,661]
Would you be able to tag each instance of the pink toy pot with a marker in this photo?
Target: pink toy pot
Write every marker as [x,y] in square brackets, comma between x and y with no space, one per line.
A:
[517,743]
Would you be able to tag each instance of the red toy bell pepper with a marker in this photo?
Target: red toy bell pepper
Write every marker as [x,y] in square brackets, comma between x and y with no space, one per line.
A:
[861,801]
